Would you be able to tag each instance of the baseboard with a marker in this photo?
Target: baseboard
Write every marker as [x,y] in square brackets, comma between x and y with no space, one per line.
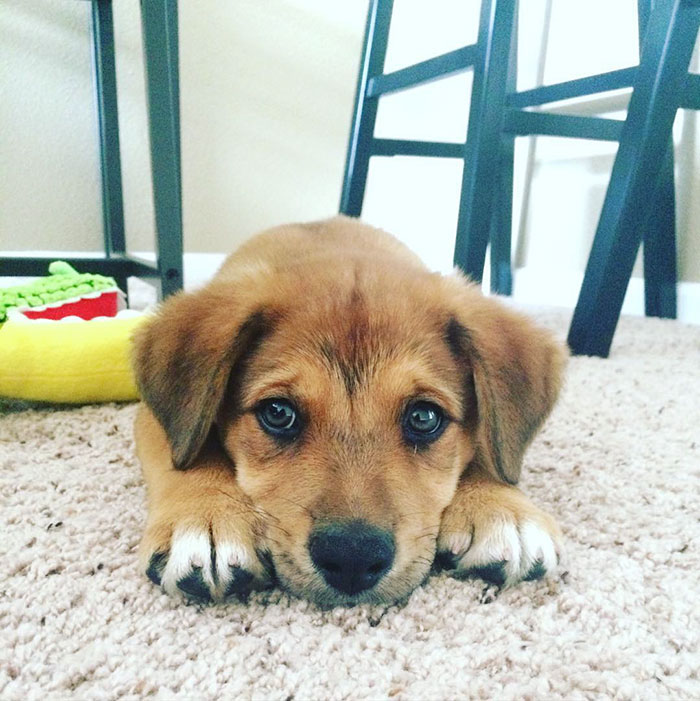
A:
[541,287]
[531,285]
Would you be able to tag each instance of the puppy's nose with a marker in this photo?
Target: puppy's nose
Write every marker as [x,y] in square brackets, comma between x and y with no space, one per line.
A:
[352,556]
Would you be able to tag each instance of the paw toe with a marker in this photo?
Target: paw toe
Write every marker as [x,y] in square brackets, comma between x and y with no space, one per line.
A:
[188,569]
[503,553]
[193,585]
[199,568]
[240,582]
[539,552]
[537,571]
[156,566]
[493,555]
[234,567]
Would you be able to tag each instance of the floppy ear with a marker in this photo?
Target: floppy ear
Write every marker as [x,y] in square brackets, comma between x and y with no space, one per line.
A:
[183,360]
[516,369]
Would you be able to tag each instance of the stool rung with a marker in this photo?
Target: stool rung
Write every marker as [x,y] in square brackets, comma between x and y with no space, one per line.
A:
[524,123]
[423,72]
[590,85]
[431,149]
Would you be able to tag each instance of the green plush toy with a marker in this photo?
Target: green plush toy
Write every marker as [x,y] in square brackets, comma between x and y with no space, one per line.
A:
[82,291]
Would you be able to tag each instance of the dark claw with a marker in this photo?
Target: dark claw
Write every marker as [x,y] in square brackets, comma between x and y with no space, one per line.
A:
[193,585]
[537,571]
[493,573]
[240,582]
[156,567]
[489,594]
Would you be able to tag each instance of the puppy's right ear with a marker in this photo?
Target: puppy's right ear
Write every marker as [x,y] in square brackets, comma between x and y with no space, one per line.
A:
[184,356]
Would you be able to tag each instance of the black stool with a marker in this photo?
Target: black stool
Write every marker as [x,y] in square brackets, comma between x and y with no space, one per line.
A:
[160,40]
[640,197]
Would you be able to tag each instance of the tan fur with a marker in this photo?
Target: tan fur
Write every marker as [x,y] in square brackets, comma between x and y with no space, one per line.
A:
[480,502]
[207,497]
[342,319]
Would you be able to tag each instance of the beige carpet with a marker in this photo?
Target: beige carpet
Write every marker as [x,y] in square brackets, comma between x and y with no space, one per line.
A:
[618,464]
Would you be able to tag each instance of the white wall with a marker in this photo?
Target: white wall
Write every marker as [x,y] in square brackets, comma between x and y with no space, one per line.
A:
[267,89]
[49,170]
[556,218]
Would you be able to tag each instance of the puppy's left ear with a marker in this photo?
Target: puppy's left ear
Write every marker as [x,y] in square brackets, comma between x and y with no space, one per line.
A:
[515,371]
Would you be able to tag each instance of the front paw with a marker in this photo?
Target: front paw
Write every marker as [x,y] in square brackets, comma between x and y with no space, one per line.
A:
[499,537]
[208,554]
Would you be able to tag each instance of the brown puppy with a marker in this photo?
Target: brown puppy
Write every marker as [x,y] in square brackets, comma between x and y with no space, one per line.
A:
[328,411]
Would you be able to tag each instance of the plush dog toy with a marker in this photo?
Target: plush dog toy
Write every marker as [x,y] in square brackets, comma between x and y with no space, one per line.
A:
[64,341]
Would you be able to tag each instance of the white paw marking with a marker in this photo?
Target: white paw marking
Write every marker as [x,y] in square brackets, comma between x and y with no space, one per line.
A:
[189,550]
[537,546]
[191,554]
[518,549]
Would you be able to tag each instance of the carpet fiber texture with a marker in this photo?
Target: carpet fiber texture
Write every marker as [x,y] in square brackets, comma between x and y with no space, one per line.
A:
[618,464]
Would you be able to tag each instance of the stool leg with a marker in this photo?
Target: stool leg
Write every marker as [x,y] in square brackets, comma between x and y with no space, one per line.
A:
[160,40]
[483,147]
[659,236]
[365,112]
[668,44]
[501,232]
[660,269]
[108,121]
[502,221]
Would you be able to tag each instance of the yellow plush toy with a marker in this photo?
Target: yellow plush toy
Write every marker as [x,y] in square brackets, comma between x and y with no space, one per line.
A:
[71,360]
[64,339]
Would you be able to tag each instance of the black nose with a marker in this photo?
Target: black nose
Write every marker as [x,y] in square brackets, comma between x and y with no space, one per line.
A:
[352,556]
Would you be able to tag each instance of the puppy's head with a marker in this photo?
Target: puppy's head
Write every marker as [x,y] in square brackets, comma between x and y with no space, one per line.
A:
[350,399]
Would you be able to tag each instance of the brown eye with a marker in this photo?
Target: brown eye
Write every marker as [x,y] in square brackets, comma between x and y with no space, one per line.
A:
[278,417]
[423,422]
